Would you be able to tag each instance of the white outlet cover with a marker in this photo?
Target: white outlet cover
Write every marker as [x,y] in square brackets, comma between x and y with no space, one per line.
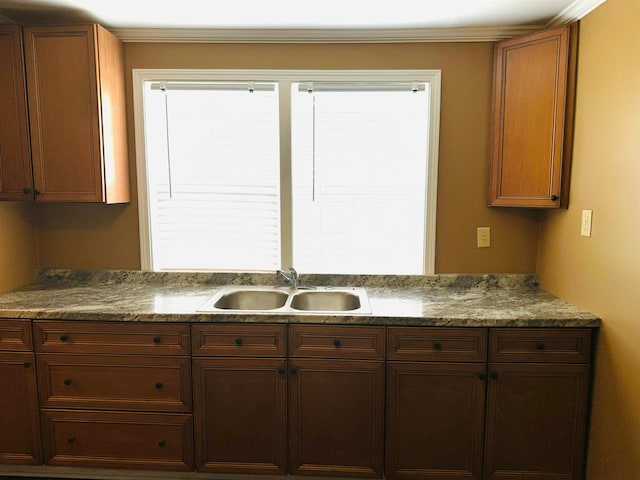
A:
[585,226]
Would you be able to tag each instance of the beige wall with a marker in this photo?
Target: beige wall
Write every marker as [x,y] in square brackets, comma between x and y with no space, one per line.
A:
[96,236]
[17,245]
[602,273]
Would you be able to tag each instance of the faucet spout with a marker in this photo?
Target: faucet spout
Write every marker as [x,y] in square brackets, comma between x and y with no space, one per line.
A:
[292,277]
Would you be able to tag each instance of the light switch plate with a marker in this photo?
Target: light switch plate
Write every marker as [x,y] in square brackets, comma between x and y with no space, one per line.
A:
[585,226]
[484,237]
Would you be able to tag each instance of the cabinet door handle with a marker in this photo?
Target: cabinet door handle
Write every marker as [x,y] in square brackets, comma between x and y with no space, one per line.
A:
[26,190]
[67,382]
[337,343]
[554,197]
[494,375]
[64,338]
[282,371]
[238,341]
[36,191]
[437,346]
[156,340]
[159,385]
[293,370]
[162,443]
[71,440]
[540,346]
[482,376]
[26,364]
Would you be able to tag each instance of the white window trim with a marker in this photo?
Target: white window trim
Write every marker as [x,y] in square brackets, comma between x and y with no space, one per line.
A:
[433,77]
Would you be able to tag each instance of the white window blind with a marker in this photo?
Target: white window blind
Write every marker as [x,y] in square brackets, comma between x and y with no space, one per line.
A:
[359,168]
[213,175]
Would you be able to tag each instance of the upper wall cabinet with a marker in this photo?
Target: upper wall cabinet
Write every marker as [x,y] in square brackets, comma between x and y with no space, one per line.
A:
[534,90]
[75,84]
[15,163]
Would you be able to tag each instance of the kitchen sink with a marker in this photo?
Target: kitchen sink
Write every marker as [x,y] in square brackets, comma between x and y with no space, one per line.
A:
[326,300]
[252,300]
[302,300]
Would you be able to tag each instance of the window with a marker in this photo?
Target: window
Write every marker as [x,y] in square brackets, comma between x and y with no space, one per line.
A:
[332,172]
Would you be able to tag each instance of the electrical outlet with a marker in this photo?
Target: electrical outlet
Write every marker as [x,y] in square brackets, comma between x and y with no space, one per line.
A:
[585,226]
[484,237]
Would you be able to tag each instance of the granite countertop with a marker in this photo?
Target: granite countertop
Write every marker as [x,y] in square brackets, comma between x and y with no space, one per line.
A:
[432,300]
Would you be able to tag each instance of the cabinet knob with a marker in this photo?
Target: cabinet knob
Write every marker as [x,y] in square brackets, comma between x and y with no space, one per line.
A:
[540,346]
[26,190]
[437,346]
[36,191]
[71,439]
[482,376]
[162,443]
[64,338]
[337,343]
[26,364]
[156,340]
[67,382]
[494,375]
[554,197]
[293,370]
[238,341]
[159,385]
[282,371]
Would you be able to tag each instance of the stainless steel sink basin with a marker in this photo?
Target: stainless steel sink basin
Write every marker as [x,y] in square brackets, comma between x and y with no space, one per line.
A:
[313,300]
[252,300]
[326,300]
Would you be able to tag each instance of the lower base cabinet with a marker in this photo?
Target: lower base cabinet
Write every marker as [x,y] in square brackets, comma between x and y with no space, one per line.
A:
[403,403]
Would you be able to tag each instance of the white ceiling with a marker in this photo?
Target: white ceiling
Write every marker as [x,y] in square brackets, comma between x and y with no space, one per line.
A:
[252,19]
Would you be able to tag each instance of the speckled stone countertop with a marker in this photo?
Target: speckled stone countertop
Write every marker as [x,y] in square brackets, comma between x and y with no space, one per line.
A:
[432,300]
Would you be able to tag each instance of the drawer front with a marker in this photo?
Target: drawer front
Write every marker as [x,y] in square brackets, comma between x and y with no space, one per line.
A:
[115,337]
[150,441]
[239,340]
[437,344]
[567,345]
[15,335]
[336,342]
[115,382]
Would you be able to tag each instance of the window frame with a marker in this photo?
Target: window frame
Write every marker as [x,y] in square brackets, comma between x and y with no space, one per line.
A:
[284,78]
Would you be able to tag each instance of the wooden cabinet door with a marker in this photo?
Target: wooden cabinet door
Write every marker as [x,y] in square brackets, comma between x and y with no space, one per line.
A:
[533,118]
[75,83]
[435,420]
[16,182]
[536,421]
[240,413]
[336,417]
[20,437]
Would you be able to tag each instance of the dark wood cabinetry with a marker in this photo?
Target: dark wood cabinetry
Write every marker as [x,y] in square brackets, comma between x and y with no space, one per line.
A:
[336,405]
[435,403]
[537,404]
[409,403]
[115,395]
[20,437]
[16,181]
[534,90]
[240,385]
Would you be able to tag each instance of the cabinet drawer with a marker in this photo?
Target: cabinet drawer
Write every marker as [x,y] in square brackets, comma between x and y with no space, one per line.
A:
[239,340]
[115,382]
[150,441]
[437,344]
[336,341]
[116,337]
[540,345]
[15,335]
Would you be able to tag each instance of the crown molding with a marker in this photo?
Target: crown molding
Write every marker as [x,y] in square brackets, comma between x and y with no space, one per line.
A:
[347,35]
[575,11]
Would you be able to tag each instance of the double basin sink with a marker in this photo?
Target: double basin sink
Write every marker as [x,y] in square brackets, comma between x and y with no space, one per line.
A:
[326,300]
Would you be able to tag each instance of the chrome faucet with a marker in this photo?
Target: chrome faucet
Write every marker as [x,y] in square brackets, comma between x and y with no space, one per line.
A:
[291,277]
